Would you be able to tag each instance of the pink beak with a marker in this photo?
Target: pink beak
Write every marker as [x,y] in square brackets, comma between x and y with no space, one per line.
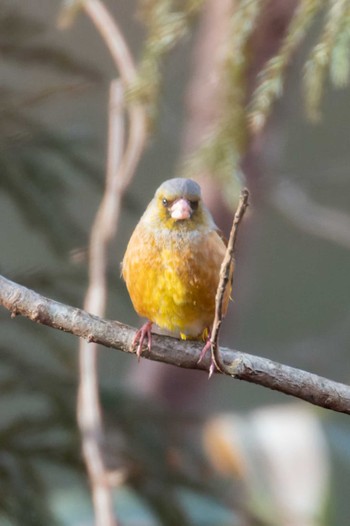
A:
[181,209]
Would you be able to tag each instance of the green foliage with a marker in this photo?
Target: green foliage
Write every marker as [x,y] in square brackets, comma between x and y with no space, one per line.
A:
[220,152]
[331,50]
[167,22]
[329,55]
[339,63]
[271,78]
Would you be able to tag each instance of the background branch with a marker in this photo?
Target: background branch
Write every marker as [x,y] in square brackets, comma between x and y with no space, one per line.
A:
[121,165]
[289,380]
[119,50]
[89,410]
[325,222]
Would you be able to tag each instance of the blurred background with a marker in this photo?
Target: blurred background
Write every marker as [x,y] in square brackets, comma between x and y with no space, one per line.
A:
[188,451]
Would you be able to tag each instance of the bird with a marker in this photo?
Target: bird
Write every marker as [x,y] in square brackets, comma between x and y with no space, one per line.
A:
[172,263]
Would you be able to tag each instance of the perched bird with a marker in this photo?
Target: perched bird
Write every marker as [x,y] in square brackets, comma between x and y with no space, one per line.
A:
[172,263]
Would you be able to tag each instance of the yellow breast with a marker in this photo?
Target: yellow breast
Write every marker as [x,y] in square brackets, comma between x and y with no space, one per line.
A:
[172,277]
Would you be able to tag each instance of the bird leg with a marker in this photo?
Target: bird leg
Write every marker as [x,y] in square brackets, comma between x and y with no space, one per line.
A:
[141,335]
[204,351]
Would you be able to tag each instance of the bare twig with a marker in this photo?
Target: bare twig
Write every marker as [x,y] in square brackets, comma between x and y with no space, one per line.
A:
[89,411]
[121,166]
[119,50]
[225,273]
[301,384]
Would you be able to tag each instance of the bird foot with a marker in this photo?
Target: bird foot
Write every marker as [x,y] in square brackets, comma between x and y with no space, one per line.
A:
[206,348]
[142,334]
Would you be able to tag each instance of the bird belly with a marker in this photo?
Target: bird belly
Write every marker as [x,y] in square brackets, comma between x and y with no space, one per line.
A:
[174,283]
[178,301]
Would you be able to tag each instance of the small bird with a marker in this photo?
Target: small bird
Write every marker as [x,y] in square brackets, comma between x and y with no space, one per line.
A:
[172,264]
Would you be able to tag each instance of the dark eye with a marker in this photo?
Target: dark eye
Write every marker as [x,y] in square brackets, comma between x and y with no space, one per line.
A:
[194,205]
[165,202]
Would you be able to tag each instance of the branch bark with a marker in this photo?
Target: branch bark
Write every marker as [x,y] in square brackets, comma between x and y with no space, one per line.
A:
[307,386]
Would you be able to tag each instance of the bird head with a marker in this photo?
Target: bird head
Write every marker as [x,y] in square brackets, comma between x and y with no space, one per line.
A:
[177,204]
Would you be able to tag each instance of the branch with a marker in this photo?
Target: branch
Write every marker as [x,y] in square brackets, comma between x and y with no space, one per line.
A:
[115,41]
[89,410]
[121,165]
[301,384]
[225,273]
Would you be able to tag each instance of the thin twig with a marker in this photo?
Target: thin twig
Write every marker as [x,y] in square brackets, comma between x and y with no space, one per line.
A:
[289,380]
[121,166]
[119,50]
[89,410]
[225,274]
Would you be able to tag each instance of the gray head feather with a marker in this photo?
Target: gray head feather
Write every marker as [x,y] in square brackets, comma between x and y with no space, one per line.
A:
[179,187]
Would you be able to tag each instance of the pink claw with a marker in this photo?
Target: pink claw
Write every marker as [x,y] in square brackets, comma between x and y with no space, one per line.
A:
[204,351]
[211,368]
[140,336]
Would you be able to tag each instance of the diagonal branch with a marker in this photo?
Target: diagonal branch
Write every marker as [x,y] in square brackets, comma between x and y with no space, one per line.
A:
[289,380]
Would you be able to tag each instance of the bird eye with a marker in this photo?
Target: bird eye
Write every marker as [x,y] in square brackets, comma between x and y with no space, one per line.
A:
[165,202]
[194,205]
